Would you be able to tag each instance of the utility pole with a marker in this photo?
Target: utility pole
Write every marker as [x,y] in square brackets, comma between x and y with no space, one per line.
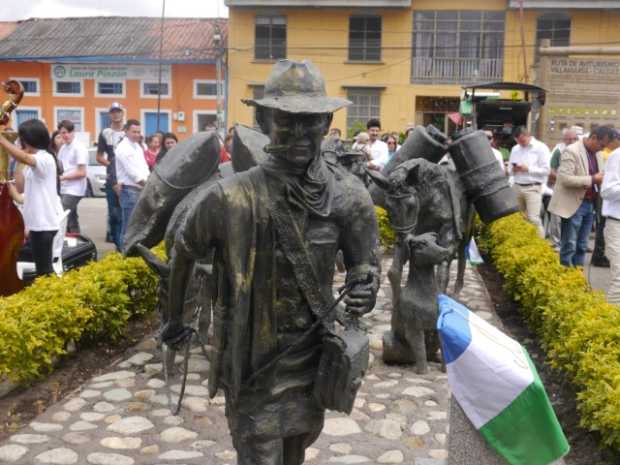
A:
[217,42]
[523,48]
[161,52]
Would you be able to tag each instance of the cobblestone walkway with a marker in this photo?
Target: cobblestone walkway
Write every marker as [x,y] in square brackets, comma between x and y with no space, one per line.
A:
[124,417]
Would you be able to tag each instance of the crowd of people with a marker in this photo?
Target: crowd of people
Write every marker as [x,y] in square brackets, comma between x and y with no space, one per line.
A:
[580,181]
[129,158]
[378,148]
[564,192]
[50,177]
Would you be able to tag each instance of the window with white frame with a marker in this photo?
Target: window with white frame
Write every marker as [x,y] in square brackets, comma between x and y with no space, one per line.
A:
[68,88]
[73,114]
[204,88]
[204,120]
[270,37]
[366,105]
[153,121]
[153,88]
[458,46]
[110,89]
[32,86]
[21,114]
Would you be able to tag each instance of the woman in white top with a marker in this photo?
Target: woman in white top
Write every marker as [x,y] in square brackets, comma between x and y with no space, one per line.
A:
[41,202]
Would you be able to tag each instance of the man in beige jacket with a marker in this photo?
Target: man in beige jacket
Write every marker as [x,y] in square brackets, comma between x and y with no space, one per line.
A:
[575,193]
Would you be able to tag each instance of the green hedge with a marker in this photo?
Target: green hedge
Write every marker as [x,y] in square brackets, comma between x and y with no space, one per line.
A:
[87,303]
[579,330]
[387,236]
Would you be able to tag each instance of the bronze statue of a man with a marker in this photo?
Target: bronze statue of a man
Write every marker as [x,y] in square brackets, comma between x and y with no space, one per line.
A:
[276,230]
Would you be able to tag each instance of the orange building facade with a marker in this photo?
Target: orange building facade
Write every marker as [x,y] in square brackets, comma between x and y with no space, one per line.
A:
[75,68]
[188,102]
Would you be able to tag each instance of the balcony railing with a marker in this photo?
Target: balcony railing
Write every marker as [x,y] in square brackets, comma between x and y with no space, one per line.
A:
[456,70]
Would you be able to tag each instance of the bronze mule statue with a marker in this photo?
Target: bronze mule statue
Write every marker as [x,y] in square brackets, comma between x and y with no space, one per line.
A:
[425,204]
[431,208]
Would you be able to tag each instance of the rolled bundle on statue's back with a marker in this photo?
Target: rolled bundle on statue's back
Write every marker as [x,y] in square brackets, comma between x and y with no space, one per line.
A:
[428,143]
[247,149]
[485,183]
[187,165]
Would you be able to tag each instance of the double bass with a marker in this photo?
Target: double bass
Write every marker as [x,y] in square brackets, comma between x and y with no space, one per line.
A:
[11,221]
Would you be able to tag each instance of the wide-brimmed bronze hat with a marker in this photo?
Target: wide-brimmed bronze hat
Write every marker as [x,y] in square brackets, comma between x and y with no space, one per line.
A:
[297,87]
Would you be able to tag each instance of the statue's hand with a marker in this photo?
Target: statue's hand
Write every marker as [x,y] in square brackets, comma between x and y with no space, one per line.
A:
[361,299]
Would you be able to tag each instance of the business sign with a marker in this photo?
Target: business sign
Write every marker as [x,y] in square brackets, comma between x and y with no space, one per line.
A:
[94,71]
[584,76]
[580,91]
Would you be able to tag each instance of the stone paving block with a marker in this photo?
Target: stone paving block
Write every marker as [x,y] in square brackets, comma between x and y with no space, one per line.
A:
[399,417]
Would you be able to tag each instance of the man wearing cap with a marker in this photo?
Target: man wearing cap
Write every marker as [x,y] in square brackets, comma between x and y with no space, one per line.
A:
[267,226]
[106,144]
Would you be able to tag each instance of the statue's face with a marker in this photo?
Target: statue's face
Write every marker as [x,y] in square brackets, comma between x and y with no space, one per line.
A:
[300,133]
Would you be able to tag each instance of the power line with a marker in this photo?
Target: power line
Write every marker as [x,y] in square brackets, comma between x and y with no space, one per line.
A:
[366,72]
[185,22]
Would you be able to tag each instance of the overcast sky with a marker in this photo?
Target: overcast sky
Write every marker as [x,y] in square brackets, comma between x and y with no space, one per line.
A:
[22,9]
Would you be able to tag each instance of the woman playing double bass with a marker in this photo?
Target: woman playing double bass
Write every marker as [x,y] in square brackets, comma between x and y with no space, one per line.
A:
[41,204]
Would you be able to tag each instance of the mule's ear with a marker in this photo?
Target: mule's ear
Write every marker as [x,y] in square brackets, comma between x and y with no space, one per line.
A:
[380,180]
[413,175]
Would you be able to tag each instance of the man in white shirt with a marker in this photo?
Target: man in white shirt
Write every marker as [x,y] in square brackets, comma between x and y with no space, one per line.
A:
[379,152]
[529,166]
[610,192]
[131,171]
[498,155]
[74,157]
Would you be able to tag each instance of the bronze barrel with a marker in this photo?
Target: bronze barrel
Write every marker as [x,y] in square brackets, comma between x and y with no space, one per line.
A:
[428,143]
[485,183]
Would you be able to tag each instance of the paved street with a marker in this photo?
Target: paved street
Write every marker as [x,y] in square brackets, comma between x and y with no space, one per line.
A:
[123,417]
[93,212]
[597,277]
[93,218]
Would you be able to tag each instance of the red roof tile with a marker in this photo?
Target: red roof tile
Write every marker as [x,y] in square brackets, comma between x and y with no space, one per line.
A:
[114,38]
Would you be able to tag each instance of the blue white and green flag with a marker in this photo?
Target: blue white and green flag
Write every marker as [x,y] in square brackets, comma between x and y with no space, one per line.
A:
[496,384]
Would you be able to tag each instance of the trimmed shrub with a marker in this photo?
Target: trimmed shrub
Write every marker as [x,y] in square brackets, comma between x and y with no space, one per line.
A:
[87,303]
[578,329]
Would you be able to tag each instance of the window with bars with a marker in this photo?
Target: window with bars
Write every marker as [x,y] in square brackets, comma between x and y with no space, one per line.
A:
[75,115]
[366,104]
[458,46]
[205,89]
[31,86]
[152,89]
[365,38]
[25,114]
[110,88]
[68,87]
[553,26]
[270,38]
